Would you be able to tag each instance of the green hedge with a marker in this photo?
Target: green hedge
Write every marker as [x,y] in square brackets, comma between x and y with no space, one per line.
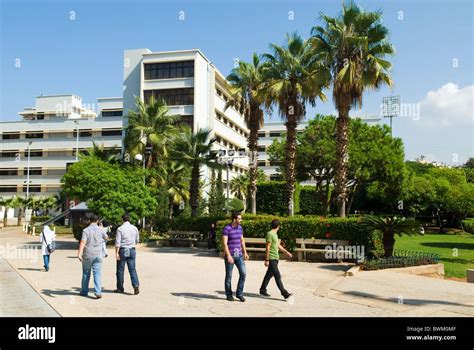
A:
[40,218]
[271,198]
[308,201]
[468,225]
[348,229]
[201,224]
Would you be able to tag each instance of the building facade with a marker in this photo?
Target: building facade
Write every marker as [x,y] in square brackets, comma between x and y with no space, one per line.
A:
[193,88]
[50,134]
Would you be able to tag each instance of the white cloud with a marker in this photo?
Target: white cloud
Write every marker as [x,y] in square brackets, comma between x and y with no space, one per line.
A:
[447,106]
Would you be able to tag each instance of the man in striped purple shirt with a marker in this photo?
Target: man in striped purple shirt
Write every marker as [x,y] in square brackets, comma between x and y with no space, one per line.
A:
[235,254]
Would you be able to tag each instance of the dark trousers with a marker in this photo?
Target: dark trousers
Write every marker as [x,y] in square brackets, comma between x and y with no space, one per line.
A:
[273,271]
[130,262]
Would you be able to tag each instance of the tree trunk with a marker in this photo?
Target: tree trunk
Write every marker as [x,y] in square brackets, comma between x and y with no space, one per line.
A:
[290,163]
[20,214]
[351,199]
[388,244]
[5,217]
[194,190]
[170,208]
[342,137]
[253,147]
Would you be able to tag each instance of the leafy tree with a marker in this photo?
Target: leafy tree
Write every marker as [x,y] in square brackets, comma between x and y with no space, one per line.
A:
[110,189]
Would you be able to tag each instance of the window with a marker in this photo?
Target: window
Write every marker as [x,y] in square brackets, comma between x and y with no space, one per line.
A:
[34,153]
[117,113]
[169,70]
[34,135]
[83,133]
[33,188]
[172,97]
[40,117]
[261,163]
[33,171]
[6,172]
[111,132]
[275,134]
[261,134]
[8,189]
[261,148]
[11,136]
[9,154]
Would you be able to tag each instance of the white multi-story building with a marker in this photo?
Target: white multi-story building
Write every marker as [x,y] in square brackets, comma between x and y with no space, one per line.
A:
[270,132]
[192,87]
[48,133]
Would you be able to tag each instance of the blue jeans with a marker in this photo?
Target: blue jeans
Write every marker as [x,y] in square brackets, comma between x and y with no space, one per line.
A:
[96,266]
[46,259]
[240,263]
[130,262]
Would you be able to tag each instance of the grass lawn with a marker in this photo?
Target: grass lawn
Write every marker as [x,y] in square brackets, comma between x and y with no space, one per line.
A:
[444,245]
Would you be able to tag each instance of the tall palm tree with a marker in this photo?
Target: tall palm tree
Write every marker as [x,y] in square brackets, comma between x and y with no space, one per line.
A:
[194,150]
[293,77]
[20,203]
[352,47]
[246,82]
[150,126]
[6,203]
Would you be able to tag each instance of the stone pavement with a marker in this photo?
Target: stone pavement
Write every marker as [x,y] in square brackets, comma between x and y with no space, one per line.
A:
[190,282]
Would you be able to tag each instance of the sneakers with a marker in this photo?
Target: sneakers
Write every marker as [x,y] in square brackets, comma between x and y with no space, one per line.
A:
[98,296]
[136,290]
[241,298]
[264,293]
[230,298]
[287,296]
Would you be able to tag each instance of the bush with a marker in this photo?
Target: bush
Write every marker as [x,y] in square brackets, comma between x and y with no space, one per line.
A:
[201,224]
[308,202]
[348,229]
[271,198]
[468,225]
[40,219]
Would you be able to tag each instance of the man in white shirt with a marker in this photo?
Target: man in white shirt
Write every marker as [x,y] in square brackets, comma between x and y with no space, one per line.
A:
[126,239]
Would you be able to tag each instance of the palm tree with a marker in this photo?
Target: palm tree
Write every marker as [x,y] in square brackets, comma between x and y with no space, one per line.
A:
[98,151]
[292,79]
[194,150]
[6,203]
[352,47]
[239,186]
[174,176]
[151,127]
[389,227]
[18,202]
[246,82]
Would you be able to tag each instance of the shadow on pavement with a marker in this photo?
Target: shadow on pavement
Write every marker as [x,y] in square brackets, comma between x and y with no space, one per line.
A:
[407,300]
[254,295]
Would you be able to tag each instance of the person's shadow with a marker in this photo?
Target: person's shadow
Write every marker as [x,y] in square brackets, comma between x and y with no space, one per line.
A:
[75,292]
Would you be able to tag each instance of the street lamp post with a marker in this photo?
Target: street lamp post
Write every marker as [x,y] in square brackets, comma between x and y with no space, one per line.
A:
[142,158]
[28,172]
[77,139]
[228,161]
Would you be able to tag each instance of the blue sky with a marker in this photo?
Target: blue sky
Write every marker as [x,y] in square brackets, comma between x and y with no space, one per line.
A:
[433,67]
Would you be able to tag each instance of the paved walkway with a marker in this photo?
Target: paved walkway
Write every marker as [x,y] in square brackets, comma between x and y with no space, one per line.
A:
[189,282]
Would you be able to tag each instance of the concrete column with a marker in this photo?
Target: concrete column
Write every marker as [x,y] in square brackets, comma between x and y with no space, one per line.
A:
[470,276]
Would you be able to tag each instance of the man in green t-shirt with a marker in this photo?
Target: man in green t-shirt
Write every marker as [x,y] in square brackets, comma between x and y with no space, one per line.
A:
[271,261]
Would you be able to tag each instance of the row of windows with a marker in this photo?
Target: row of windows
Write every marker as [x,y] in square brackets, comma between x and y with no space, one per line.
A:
[274,133]
[10,189]
[222,95]
[221,117]
[226,143]
[82,133]
[33,171]
[169,70]
[172,97]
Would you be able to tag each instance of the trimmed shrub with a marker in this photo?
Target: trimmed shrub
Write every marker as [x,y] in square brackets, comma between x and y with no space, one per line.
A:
[348,229]
[308,203]
[201,224]
[468,225]
[271,198]
[40,219]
